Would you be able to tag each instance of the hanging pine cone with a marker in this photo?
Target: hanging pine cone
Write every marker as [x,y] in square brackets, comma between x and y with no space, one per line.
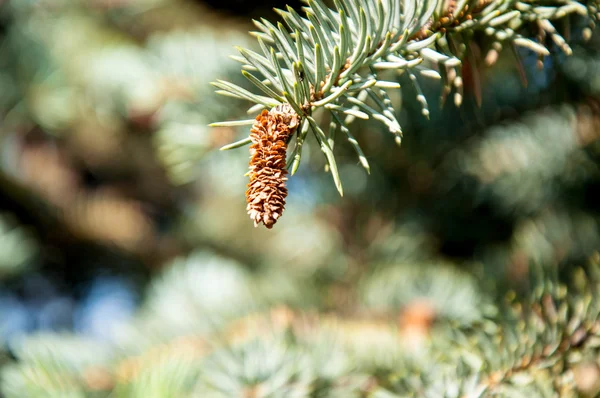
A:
[266,191]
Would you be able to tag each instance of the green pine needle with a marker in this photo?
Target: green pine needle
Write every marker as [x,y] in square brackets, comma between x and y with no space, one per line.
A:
[328,58]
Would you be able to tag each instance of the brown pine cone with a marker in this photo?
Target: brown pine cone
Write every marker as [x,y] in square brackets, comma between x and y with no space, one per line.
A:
[266,191]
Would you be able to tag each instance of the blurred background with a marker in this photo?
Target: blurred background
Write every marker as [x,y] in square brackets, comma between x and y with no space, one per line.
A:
[123,228]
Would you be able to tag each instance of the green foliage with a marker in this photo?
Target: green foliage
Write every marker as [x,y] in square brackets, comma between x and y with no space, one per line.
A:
[519,164]
[18,247]
[338,60]
[450,292]
[54,366]
[189,60]
[532,346]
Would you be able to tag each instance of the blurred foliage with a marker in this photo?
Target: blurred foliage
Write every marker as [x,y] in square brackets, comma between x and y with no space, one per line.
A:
[465,264]
[534,345]
[17,247]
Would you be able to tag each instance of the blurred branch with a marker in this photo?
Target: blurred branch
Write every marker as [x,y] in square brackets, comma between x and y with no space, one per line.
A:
[58,231]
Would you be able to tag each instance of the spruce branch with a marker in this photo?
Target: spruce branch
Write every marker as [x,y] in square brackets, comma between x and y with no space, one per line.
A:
[336,59]
[554,331]
[534,347]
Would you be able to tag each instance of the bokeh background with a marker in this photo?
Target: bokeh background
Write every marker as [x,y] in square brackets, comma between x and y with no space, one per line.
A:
[123,228]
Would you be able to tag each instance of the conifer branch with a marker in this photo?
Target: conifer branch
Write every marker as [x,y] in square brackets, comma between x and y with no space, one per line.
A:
[336,59]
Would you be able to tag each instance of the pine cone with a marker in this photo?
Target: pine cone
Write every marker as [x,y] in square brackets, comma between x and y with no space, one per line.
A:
[266,191]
